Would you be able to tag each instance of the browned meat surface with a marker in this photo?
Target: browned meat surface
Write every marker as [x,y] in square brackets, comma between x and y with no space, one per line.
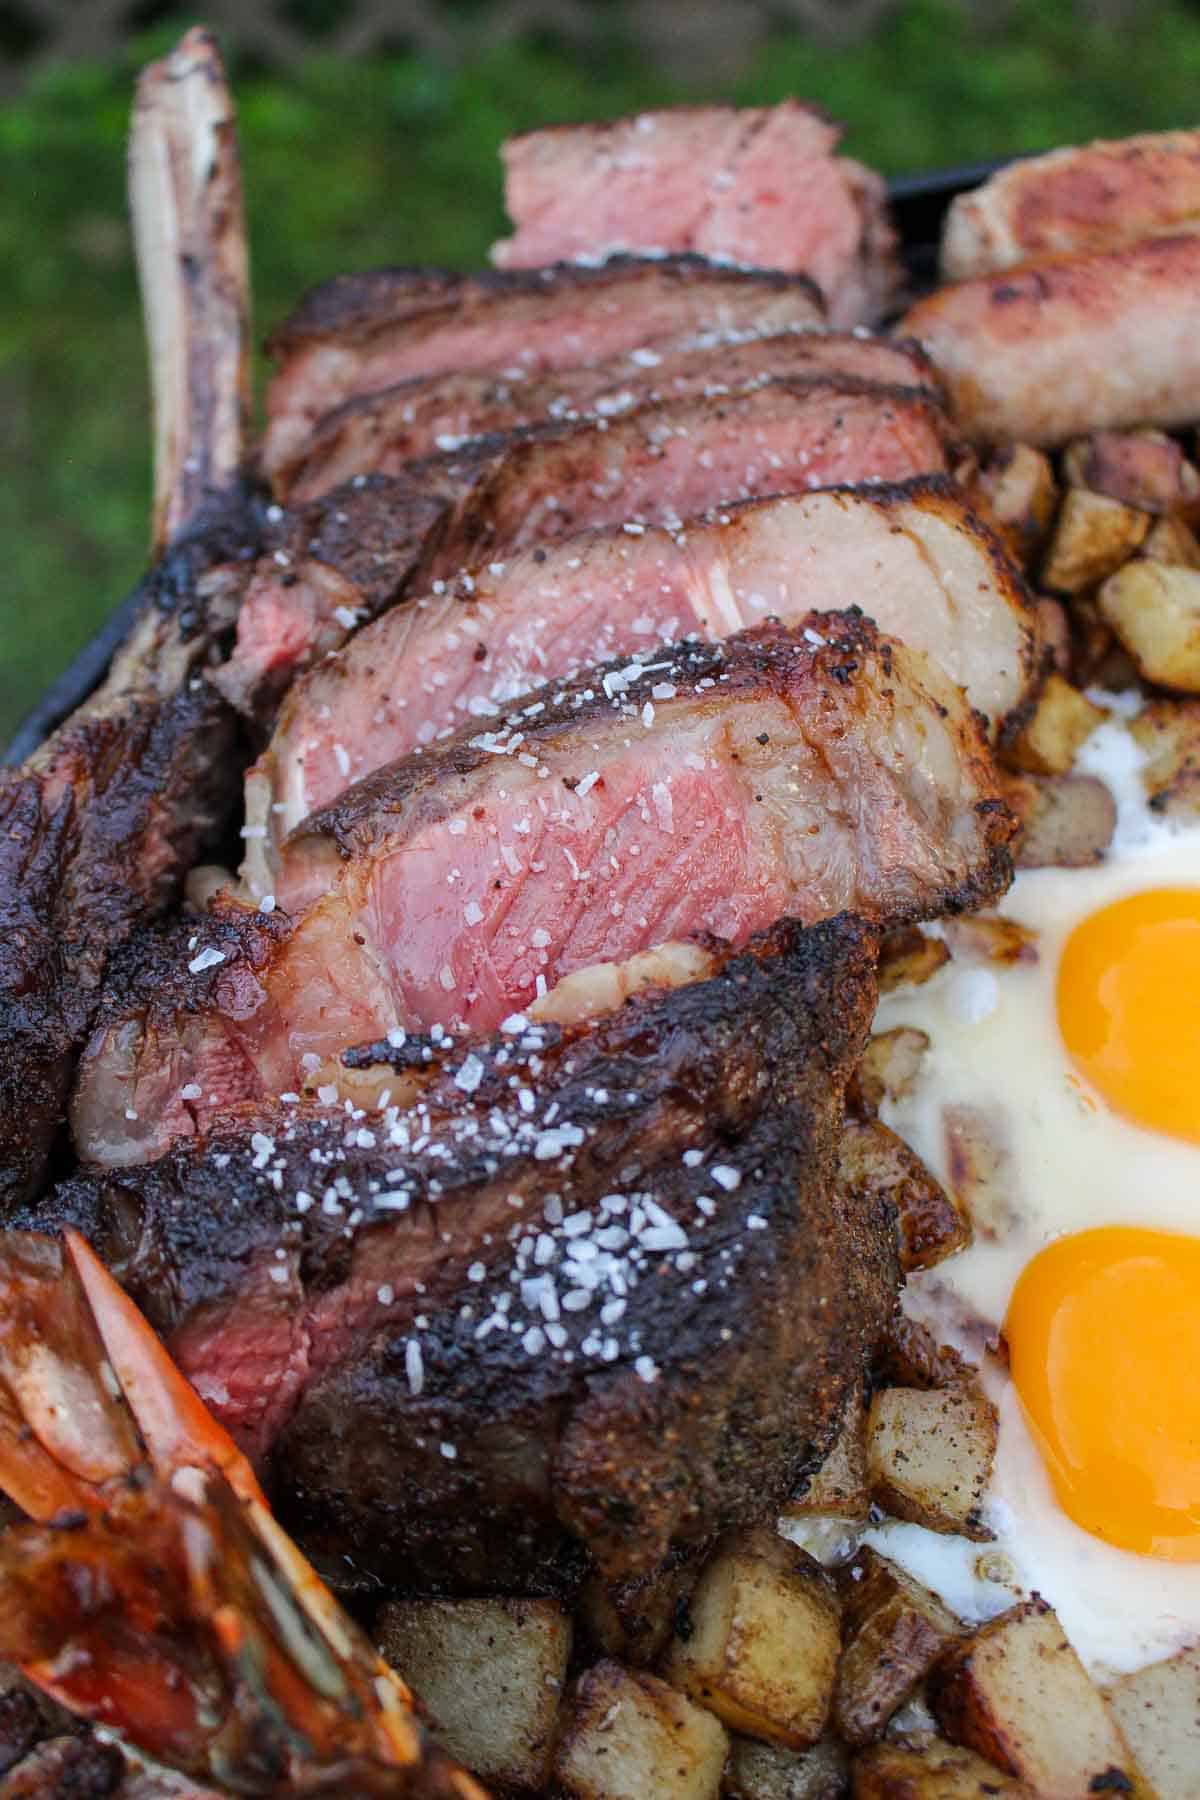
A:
[712,789]
[1082,343]
[587,1289]
[359,334]
[757,186]
[1087,198]
[381,433]
[913,557]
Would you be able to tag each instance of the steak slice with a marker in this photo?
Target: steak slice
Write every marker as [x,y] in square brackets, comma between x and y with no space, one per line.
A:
[709,789]
[358,334]
[914,557]
[760,186]
[381,433]
[588,1291]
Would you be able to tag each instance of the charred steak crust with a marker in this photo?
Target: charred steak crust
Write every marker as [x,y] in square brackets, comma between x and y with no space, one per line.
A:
[697,1128]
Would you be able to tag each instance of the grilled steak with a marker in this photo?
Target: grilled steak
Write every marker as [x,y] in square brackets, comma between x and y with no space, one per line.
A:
[712,789]
[381,433]
[1087,198]
[914,557]
[448,1380]
[1077,344]
[358,334]
[759,186]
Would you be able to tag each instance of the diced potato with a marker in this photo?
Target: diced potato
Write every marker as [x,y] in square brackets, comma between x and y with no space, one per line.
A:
[1092,536]
[627,1735]
[1066,821]
[929,1456]
[890,1065]
[763,1646]
[1158,1712]
[838,1489]
[907,958]
[1054,633]
[1169,540]
[930,1769]
[1017,1693]
[1052,736]
[1169,733]
[633,1622]
[491,1673]
[765,1772]
[979,1167]
[911,1357]
[1154,608]
[893,1630]
[1021,493]
[875,1163]
[988,938]
[1146,469]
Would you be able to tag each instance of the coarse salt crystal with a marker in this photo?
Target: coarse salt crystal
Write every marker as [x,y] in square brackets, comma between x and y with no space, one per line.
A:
[385,1294]
[206,959]
[724,1176]
[587,784]
[192,1091]
[414,1366]
[645,1368]
[473,913]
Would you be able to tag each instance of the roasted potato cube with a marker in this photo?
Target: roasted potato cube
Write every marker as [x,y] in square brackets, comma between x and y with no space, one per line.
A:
[1066,821]
[1052,736]
[875,1164]
[988,938]
[979,1169]
[911,1357]
[1054,633]
[908,957]
[1017,1693]
[1169,733]
[1093,536]
[890,1065]
[1158,1712]
[1021,493]
[1146,469]
[930,1769]
[893,1630]
[929,1456]
[627,1735]
[491,1673]
[632,1621]
[765,1772]
[762,1649]
[838,1489]
[1169,540]
[1154,608]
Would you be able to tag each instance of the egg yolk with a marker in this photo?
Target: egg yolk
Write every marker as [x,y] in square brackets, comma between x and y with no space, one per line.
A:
[1103,1333]
[1129,1007]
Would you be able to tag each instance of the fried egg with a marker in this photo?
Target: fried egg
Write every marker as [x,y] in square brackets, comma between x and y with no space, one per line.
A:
[1064,1089]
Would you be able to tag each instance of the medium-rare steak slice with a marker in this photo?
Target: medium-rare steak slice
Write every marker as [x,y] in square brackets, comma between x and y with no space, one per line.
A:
[913,557]
[757,186]
[589,1289]
[381,433]
[709,788]
[357,334]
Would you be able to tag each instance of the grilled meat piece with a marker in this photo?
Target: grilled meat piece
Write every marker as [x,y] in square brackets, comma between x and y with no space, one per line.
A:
[358,334]
[449,1381]
[1078,344]
[381,433]
[757,186]
[716,789]
[1092,197]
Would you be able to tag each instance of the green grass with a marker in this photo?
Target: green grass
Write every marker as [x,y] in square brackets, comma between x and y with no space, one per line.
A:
[394,160]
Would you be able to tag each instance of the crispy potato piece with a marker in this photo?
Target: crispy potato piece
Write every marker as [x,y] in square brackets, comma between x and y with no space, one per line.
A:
[1154,608]
[1146,469]
[929,1768]
[633,1621]
[627,1735]
[1066,821]
[1093,536]
[1052,736]
[979,1169]
[911,1357]
[890,1065]
[838,1489]
[491,1673]
[875,1163]
[1158,1712]
[908,957]
[986,937]
[1021,493]
[1170,541]
[1017,1693]
[1054,632]
[1169,733]
[929,1456]
[765,1772]
[764,1640]
[893,1630]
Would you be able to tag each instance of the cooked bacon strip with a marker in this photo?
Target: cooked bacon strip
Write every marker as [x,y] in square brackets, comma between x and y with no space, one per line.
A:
[1088,342]
[1093,197]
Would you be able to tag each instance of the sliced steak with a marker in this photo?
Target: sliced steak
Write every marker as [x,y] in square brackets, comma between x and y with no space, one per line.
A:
[914,557]
[358,334]
[760,186]
[590,1292]
[714,789]
[381,433]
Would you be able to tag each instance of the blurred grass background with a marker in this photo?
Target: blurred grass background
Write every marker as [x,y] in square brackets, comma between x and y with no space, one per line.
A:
[394,159]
